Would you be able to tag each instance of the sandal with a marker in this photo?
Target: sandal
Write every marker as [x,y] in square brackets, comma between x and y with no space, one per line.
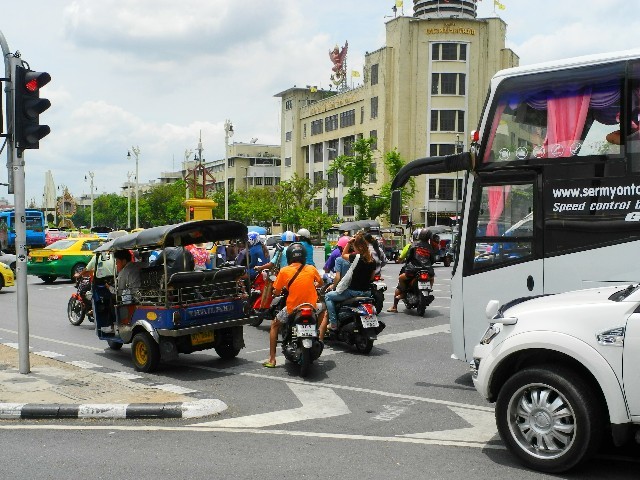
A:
[269,365]
[392,310]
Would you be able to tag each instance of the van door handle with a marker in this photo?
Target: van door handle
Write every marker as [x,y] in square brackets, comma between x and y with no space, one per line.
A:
[530,283]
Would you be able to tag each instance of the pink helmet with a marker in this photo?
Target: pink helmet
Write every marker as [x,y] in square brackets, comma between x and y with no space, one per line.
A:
[342,241]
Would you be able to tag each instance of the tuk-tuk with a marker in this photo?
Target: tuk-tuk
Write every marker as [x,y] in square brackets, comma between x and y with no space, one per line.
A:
[394,240]
[176,309]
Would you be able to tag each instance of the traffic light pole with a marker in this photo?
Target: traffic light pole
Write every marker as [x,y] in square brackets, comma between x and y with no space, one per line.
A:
[15,175]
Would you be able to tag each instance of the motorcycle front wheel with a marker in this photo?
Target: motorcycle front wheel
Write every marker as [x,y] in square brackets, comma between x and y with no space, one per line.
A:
[75,311]
[363,344]
[422,305]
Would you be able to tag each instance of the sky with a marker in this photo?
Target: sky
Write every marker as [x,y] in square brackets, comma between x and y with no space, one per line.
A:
[154,74]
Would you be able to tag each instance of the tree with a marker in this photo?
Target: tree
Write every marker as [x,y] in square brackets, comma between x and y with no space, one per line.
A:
[256,206]
[295,200]
[163,204]
[356,168]
[393,163]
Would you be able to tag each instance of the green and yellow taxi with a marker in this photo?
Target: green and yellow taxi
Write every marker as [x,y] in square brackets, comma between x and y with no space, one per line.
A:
[63,258]
[6,276]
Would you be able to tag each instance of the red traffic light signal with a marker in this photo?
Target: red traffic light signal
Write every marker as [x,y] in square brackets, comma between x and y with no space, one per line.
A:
[28,106]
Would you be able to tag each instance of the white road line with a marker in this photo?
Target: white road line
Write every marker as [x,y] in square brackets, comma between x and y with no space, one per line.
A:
[56,341]
[167,387]
[292,433]
[85,365]
[48,354]
[125,375]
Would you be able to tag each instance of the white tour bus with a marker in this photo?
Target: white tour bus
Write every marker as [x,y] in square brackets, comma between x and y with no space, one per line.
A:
[551,187]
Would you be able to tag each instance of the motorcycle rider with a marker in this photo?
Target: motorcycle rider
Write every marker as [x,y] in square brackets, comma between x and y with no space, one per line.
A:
[256,254]
[337,252]
[287,238]
[304,237]
[376,251]
[301,290]
[360,282]
[420,256]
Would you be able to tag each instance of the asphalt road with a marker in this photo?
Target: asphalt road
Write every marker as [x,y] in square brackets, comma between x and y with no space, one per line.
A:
[406,410]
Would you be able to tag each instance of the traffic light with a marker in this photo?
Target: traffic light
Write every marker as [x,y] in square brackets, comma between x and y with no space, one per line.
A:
[28,106]
[191,213]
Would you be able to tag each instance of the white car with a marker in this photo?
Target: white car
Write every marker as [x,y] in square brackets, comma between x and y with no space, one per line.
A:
[562,370]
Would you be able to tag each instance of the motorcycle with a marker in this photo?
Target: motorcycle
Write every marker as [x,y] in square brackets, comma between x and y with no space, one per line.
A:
[261,296]
[378,287]
[419,294]
[79,305]
[358,324]
[300,342]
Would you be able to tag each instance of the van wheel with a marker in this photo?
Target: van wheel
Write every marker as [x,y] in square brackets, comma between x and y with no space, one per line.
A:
[549,418]
[145,352]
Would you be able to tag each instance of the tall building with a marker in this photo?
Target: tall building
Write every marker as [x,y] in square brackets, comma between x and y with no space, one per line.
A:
[422,93]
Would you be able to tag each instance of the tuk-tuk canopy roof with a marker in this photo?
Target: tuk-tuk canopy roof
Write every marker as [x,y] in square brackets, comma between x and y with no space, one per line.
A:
[359,225]
[186,233]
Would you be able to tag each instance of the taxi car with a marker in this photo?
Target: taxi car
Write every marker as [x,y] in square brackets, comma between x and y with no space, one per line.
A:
[7,278]
[63,258]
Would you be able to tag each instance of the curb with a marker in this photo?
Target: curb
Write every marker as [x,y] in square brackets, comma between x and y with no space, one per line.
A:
[195,409]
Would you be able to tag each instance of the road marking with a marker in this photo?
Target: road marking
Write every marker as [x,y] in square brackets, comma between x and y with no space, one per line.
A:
[317,402]
[49,354]
[395,337]
[84,365]
[125,375]
[482,430]
[174,388]
[47,339]
[292,433]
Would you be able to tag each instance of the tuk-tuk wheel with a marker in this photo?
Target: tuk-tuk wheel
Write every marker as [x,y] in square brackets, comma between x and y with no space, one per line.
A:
[113,345]
[227,352]
[145,352]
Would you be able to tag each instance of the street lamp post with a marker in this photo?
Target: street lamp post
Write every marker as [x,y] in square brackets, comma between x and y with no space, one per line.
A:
[91,174]
[136,153]
[129,200]
[228,132]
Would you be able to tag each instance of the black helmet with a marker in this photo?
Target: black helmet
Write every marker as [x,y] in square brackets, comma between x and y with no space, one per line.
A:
[296,253]
[424,235]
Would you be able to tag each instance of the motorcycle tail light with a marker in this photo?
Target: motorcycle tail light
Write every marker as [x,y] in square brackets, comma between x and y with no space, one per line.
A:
[423,277]
[306,314]
[377,278]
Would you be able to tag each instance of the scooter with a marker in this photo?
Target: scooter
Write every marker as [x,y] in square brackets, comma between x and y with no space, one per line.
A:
[419,294]
[300,342]
[358,324]
[79,305]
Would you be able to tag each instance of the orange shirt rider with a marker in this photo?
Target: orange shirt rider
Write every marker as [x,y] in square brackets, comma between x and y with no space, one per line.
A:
[303,288]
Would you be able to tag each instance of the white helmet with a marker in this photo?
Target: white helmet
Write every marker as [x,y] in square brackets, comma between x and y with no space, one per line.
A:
[303,233]
[288,236]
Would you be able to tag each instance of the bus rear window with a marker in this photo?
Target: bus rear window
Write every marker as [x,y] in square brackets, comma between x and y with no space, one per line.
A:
[571,113]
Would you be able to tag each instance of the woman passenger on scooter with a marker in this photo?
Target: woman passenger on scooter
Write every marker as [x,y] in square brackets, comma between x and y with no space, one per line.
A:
[360,282]
[420,256]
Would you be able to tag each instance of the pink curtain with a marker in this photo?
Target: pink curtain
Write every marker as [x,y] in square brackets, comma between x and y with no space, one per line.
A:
[565,121]
[497,199]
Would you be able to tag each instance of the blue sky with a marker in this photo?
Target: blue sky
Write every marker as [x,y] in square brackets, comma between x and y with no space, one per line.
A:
[154,73]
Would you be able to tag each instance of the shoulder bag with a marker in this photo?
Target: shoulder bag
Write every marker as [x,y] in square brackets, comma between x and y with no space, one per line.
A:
[345,281]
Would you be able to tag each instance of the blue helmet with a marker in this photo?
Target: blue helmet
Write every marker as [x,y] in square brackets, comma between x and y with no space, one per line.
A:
[253,238]
[288,236]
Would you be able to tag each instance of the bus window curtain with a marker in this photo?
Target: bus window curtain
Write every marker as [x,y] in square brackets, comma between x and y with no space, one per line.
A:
[566,117]
[497,199]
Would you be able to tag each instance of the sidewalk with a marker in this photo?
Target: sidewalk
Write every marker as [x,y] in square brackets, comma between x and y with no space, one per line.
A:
[55,389]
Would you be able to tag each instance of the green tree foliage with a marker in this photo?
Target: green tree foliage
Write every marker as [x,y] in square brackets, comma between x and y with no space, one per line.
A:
[110,210]
[256,206]
[294,200]
[356,169]
[393,163]
[163,205]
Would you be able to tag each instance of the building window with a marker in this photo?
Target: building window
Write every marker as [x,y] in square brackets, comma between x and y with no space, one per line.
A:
[347,118]
[288,105]
[449,51]
[277,180]
[332,206]
[348,211]
[316,127]
[332,148]
[373,178]
[317,204]
[374,135]
[447,120]
[318,177]
[443,187]
[304,130]
[287,136]
[258,181]
[332,179]
[374,107]
[448,83]
[348,145]
[317,153]
[362,114]
[374,74]
[268,181]
[437,149]
[287,161]
[331,123]
[459,189]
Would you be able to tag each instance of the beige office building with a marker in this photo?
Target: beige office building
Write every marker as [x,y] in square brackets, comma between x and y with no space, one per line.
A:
[422,93]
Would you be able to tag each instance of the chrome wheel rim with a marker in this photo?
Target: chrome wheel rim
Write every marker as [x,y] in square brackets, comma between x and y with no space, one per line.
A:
[542,421]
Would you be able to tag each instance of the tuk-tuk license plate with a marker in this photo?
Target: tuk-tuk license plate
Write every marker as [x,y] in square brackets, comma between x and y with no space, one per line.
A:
[370,321]
[306,330]
[201,337]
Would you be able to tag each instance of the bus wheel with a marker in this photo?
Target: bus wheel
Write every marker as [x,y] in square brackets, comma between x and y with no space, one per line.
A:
[145,352]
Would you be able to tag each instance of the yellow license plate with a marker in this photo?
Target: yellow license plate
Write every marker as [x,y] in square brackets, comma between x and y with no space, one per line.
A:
[201,337]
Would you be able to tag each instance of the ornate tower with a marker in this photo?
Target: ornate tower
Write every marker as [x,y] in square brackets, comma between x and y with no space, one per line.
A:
[445,8]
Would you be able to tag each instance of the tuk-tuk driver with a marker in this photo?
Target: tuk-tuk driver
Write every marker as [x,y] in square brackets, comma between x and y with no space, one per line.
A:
[128,281]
